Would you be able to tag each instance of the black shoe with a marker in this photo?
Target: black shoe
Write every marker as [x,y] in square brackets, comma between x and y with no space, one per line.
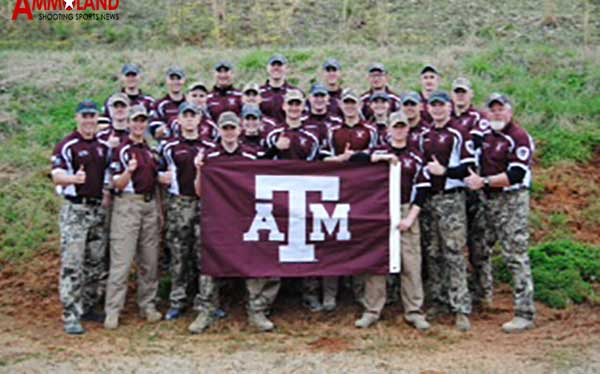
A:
[93,316]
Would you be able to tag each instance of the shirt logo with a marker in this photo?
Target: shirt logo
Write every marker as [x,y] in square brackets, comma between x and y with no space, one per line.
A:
[442,138]
[360,134]
[523,153]
[83,153]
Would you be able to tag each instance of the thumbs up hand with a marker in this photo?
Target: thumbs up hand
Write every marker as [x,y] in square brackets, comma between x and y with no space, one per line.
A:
[133,164]
[283,143]
[199,160]
[434,167]
[474,181]
[113,140]
[347,153]
[79,177]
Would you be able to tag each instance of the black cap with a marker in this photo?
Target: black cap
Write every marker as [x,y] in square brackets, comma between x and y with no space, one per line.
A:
[223,64]
[439,97]
[278,59]
[497,98]
[87,106]
[380,95]
[431,68]
[332,63]
[130,69]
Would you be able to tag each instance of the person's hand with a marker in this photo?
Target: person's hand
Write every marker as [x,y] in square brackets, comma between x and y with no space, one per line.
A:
[133,164]
[283,143]
[106,199]
[474,181]
[434,167]
[167,177]
[80,176]
[113,140]
[347,153]
[405,224]
[199,160]
[161,132]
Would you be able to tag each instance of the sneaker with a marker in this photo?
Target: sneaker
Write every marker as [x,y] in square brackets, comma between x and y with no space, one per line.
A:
[462,322]
[93,316]
[366,320]
[74,328]
[517,324]
[418,321]
[173,314]
[150,314]
[201,323]
[112,321]
[260,321]
[329,304]
[312,304]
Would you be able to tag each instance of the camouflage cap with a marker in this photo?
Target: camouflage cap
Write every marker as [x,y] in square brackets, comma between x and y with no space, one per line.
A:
[497,98]
[396,118]
[251,86]
[292,95]
[119,98]
[137,111]
[377,67]
[461,83]
[229,118]
[198,85]
[349,94]
[431,68]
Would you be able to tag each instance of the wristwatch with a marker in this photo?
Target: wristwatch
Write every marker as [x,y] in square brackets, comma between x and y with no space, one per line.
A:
[486,182]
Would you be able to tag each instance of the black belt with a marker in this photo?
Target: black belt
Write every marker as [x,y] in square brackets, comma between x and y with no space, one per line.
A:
[448,192]
[94,201]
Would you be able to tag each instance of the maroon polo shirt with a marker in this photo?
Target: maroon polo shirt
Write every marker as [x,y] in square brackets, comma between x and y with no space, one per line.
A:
[254,142]
[395,102]
[382,133]
[178,156]
[361,136]
[319,125]
[452,146]
[268,123]
[272,100]
[334,103]
[413,174]
[122,134]
[304,145]
[219,153]
[165,111]
[469,118]
[144,178]
[512,147]
[415,133]
[425,110]
[74,151]
[139,99]
[223,99]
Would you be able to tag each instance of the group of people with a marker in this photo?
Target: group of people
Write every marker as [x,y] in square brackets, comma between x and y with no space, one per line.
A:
[465,184]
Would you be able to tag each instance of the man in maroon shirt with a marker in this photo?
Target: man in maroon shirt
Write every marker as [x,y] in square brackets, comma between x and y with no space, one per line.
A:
[505,160]
[117,132]
[224,97]
[167,108]
[135,228]
[274,90]
[252,134]
[197,94]
[411,106]
[414,186]
[79,162]
[332,77]
[378,80]
[430,83]
[291,141]
[380,107]
[319,119]
[182,226]
[251,96]
[130,85]
[449,152]
[261,291]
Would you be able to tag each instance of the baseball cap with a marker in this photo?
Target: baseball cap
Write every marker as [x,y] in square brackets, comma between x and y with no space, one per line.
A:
[278,59]
[349,94]
[251,110]
[412,97]
[332,63]
[187,107]
[377,66]
[130,69]
[251,87]
[439,97]
[397,117]
[174,70]
[87,106]
[461,82]
[228,118]
[318,89]
[223,64]
[137,111]
[119,98]
[294,95]
[497,98]
[197,85]
[431,68]
[380,95]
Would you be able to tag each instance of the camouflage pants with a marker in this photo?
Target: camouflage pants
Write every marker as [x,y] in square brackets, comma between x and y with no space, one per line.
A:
[82,252]
[444,225]
[182,238]
[508,212]
[480,241]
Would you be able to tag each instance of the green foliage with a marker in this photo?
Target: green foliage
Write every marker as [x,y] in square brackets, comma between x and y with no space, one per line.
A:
[563,272]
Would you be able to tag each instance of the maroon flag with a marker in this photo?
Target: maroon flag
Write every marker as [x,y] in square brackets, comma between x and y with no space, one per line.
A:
[296,219]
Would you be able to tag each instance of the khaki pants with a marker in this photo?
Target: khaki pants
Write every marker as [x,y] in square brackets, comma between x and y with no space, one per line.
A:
[411,285]
[375,290]
[134,232]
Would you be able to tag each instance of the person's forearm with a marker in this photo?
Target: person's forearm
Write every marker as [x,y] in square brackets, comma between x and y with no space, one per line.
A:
[413,213]
[198,185]
[61,178]
[122,180]
[499,180]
